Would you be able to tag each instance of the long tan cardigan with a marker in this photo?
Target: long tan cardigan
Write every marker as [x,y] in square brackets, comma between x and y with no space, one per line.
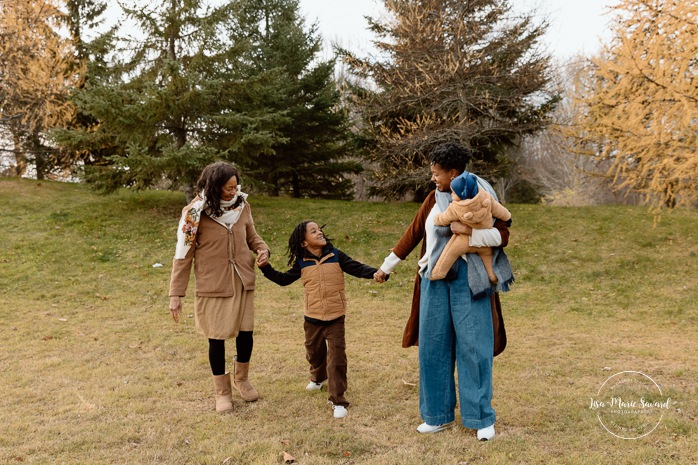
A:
[215,249]
[416,233]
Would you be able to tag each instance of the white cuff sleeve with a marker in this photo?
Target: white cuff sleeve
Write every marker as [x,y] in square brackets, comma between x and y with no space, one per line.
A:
[390,262]
[485,238]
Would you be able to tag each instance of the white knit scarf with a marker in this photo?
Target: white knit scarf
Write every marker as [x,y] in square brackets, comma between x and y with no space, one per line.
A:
[191,216]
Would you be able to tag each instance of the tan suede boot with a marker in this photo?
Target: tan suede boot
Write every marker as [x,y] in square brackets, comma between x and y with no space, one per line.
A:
[246,390]
[224,397]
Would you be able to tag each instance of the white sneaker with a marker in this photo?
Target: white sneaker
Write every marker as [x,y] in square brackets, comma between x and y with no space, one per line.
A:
[339,411]
[485,434]
[427,429]
[313,386]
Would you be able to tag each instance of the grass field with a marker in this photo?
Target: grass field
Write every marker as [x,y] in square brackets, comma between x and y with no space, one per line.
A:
[94,371]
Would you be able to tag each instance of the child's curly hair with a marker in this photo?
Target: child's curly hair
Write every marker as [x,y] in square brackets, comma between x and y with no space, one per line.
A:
[295,247]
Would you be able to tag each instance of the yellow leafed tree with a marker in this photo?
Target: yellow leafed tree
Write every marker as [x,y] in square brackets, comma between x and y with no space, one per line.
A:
[640,105]
[37,73]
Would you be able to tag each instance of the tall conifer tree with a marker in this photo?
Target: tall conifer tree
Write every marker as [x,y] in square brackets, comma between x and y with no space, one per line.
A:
[83,19]
[310,156]
[448,70]
[177,102]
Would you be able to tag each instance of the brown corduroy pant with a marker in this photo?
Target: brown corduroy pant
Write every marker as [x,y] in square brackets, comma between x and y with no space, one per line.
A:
[325,350]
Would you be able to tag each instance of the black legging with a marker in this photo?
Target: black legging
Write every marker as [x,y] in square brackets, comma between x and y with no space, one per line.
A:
[216,351]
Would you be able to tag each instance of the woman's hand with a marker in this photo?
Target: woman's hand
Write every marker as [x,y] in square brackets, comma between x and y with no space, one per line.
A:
[175,307]
[459,228]
[262,257]
[380,276]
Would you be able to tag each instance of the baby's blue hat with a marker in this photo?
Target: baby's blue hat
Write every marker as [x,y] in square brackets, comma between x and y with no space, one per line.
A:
[465,186]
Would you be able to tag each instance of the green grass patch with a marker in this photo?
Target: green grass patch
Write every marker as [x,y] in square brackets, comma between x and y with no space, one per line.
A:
[93,370]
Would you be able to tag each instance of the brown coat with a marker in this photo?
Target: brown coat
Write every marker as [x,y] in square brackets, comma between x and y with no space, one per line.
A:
[416,233]
[215,250]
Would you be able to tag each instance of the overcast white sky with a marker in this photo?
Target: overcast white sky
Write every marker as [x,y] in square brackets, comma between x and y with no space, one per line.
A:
[575,25]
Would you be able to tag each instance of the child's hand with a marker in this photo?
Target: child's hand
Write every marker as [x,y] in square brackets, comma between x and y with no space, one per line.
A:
[379,276]
[262,258]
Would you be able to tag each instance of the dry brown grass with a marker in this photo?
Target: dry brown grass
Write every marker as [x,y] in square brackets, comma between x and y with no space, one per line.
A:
[93,370]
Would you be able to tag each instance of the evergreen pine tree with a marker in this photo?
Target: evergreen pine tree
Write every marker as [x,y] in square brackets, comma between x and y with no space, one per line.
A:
[448,70]
[177,102]
[311,154]
[77,140]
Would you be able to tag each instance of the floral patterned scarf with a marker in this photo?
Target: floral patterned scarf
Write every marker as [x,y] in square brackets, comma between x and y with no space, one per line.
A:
[191,216]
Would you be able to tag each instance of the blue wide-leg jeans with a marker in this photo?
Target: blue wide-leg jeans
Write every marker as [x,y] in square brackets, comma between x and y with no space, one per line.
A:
[455,331]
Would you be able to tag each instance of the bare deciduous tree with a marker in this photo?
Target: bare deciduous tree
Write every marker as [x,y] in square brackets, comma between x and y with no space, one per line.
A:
[556,160]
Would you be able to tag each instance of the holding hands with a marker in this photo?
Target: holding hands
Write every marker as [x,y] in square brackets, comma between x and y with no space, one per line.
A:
[380,276]
[262,257]
[456,227]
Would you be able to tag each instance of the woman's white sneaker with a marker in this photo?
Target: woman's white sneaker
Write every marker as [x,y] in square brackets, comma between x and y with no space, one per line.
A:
[313,386]
[427,429]
[485,434]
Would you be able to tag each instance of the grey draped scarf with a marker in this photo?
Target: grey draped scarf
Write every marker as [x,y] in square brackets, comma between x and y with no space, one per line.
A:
[480,285]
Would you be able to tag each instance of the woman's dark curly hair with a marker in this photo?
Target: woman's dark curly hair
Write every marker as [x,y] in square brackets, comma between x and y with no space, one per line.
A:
[295,247]
[450,155]
[211,182]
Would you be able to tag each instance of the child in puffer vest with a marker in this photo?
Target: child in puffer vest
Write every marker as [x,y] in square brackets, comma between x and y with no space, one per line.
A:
[321,268]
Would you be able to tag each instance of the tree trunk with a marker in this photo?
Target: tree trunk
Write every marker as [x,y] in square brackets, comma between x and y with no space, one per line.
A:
[189,191]
[296,186]
[40,157]
[20,157]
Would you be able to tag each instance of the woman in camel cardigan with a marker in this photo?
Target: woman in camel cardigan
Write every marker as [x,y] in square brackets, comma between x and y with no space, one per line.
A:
[216,233]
